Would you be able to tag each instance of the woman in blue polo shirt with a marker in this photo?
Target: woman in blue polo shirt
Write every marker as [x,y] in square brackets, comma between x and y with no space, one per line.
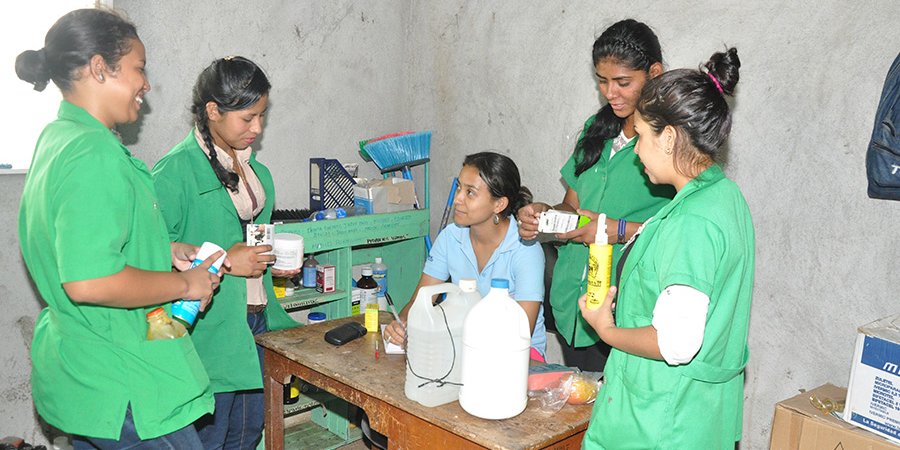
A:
[483,243]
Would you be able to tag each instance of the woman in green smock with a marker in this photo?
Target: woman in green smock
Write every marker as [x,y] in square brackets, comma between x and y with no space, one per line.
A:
[603,175]
[97,249]
[675,376]
[210,187]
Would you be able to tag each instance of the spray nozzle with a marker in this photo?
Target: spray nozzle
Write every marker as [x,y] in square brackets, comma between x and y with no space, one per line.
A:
[601,237]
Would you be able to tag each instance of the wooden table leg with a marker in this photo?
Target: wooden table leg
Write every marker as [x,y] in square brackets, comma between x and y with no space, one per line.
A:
[273,379]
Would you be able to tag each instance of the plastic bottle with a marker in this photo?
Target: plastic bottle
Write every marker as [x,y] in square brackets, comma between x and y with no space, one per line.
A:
[434,344]
[599,266]
[309,272]
[160,326]
[496,344]
[379,273]
[368,288]
[315,317]
[186,310]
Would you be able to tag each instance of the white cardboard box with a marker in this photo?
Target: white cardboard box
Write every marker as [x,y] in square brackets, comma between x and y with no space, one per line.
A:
[873,397]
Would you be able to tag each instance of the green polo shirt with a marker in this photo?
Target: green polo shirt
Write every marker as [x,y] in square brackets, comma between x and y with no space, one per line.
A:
[89,209]
[619,188]
[197,208]
[704,239]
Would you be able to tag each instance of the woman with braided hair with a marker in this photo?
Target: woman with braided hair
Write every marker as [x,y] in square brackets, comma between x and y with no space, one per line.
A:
[210,187]
[675,376]
[603,176]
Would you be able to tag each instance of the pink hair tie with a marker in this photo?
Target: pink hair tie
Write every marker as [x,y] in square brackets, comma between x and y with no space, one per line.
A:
[716,82]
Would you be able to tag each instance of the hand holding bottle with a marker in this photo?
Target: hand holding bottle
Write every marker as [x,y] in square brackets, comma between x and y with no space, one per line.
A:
[201,282]
[528,218]
[249,261]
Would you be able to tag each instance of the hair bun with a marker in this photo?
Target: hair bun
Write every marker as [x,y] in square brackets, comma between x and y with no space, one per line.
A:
[725,67]
[31,67]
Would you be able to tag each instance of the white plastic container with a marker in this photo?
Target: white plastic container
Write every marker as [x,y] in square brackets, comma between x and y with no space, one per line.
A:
[288,250]
[496,341]
[433,348]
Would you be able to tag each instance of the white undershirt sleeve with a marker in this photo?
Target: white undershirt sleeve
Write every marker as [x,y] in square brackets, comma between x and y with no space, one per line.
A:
[680,321]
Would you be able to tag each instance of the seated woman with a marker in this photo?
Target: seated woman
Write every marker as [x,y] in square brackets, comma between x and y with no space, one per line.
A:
[483,243]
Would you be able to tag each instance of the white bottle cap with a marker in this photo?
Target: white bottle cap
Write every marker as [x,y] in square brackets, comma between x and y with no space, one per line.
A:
[377,260]
[367,271]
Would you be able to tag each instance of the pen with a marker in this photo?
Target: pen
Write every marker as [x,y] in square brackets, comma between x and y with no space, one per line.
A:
[390,303]
[377,338]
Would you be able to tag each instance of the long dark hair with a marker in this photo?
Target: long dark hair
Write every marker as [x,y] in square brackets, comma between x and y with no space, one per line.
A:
[501,175]
[71,43]
[233,83]
[693,101]
[634,45]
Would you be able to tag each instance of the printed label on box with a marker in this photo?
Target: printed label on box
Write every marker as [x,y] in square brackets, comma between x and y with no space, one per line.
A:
[873,400]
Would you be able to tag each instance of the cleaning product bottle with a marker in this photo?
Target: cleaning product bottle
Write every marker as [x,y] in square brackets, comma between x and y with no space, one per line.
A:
[434,344]
[309,271]
[379,273]
[368,289]
[599,266]
[160,326]
[496,345]
[187,310]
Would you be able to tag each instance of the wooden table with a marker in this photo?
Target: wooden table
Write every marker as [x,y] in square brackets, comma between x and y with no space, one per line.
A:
[352,373]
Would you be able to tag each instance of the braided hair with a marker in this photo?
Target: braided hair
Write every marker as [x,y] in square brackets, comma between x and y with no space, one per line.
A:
[233,83]
[632,44]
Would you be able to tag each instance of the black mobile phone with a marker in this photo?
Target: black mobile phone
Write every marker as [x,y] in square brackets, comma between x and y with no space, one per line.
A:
[345,333]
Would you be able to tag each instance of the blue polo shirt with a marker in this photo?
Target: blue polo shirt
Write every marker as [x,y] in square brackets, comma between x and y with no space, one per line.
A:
[452,257]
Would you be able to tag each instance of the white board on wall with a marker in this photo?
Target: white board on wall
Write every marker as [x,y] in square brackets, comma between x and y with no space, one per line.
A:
[28,111]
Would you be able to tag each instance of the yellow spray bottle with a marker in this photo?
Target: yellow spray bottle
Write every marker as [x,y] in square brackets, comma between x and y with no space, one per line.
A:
[599,265]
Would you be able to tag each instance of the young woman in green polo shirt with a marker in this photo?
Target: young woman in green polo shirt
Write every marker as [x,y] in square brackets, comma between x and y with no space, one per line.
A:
[603,176]
[97,249]
[675,376]
[210,187]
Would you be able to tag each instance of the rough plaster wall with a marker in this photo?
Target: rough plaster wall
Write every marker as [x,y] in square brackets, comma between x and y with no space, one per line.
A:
[20,305]
[518,79]
[333,67]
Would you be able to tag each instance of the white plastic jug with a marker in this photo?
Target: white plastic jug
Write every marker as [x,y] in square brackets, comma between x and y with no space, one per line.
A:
[434,346]
[496,345]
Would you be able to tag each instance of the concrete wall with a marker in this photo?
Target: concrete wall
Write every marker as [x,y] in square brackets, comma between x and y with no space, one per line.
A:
[517,78]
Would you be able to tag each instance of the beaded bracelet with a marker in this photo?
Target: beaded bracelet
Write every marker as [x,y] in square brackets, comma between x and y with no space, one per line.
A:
[620,237]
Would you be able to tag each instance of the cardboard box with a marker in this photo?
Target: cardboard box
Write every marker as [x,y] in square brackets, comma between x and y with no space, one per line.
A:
[798,425]
[387,195]
[873,396]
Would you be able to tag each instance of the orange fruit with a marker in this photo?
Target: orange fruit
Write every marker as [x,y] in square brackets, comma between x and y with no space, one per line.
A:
[582,390]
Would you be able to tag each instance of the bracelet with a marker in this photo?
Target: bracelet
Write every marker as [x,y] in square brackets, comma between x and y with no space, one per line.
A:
[620,237]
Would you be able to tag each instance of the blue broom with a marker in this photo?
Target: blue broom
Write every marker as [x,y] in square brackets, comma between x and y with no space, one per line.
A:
[400,152]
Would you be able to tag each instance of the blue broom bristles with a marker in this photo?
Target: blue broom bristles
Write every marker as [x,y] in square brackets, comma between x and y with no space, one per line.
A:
[400,151]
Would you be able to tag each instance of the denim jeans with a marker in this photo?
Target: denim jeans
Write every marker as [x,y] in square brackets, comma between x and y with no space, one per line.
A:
[183,439]
[238,420]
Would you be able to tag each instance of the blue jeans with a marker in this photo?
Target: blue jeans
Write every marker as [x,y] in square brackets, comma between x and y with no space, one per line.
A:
[183,439]
[238,420]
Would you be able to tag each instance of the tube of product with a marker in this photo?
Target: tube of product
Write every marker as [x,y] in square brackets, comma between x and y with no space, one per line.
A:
[599,265]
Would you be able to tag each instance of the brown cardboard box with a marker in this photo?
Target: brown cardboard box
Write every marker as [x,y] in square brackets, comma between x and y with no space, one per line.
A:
[384,195]
[798,425]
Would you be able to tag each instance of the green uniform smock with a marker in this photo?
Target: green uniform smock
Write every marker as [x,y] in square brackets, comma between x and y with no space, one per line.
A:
[704,239]
[197,208]
[619,188]
[88,210]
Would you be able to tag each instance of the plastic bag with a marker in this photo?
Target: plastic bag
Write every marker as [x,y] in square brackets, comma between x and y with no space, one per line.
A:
[574,389]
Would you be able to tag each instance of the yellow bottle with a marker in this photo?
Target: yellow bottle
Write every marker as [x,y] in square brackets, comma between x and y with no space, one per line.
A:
[599,266]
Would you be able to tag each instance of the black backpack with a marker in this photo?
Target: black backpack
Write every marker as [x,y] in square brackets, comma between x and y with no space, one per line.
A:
[883,155]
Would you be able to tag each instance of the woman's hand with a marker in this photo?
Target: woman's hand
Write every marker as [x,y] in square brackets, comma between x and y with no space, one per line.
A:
[527,217]
[600,319]
[201,283]
[249,261]
[588,233]
[183,256]
[395,333]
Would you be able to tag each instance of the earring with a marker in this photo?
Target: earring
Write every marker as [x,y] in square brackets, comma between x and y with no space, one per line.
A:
[669,151]
[496,219]
[100,76]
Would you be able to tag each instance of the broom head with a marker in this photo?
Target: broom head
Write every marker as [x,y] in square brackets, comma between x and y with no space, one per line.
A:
[400,151]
